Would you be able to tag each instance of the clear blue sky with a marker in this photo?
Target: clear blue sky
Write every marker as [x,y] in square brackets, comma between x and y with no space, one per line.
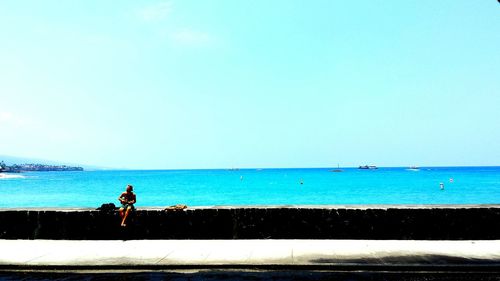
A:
[221,84]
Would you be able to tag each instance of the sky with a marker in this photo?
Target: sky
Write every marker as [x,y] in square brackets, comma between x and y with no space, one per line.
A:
[251,84]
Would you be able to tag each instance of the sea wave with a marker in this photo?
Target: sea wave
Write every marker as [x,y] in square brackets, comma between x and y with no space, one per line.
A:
[10,176]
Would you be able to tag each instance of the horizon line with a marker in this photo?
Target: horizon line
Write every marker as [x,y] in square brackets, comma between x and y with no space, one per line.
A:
[289,168]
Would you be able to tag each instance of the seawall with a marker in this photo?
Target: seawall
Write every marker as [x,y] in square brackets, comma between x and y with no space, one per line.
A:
[374,222]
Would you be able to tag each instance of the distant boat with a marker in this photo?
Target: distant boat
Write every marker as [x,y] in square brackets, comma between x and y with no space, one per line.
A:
[413,168]
[338,170]
[368,167]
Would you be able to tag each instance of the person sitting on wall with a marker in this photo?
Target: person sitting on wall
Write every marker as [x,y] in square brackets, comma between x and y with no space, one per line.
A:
[127,199]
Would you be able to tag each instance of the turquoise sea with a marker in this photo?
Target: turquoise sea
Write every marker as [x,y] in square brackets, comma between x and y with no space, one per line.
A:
[462,185]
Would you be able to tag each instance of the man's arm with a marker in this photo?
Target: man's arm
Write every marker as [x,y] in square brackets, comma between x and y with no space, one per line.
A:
[120,198]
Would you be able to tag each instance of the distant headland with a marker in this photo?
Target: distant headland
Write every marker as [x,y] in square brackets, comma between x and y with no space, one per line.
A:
[17,168]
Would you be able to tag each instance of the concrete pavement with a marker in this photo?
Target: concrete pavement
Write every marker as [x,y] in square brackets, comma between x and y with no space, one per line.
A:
[328,254]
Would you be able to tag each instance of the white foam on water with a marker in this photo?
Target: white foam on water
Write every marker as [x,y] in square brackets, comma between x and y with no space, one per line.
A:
[10,176]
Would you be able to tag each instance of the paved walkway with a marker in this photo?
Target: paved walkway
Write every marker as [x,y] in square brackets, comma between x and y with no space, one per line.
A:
[18,254]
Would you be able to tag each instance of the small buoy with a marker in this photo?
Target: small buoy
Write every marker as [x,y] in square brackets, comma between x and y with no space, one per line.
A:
[451,179]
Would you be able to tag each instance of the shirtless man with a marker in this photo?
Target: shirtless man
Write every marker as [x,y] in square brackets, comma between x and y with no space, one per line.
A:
[128,200]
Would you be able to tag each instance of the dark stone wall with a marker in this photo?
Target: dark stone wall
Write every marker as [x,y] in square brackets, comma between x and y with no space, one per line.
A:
[419,223]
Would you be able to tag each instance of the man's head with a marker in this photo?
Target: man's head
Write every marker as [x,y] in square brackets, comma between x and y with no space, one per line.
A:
[130,188]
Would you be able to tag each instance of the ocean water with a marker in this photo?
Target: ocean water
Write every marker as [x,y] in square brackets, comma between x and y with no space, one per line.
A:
[462,185]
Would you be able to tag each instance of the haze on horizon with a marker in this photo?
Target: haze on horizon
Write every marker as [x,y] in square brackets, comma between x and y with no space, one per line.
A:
[223,84]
